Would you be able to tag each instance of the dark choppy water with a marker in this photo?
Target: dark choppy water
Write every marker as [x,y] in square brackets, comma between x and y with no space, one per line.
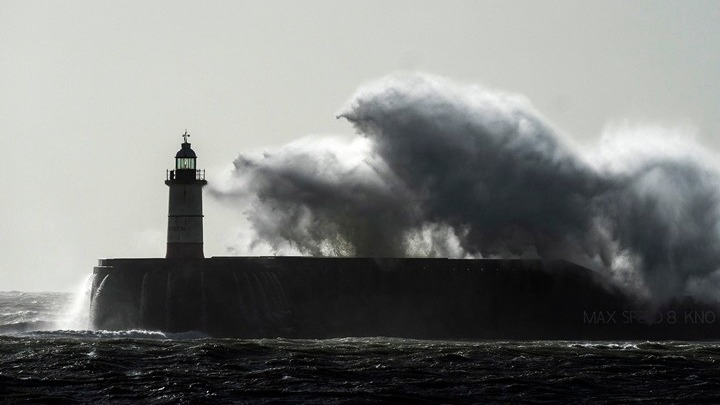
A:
[56,366]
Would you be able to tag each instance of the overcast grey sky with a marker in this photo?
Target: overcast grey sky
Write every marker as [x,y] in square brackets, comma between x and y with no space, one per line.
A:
[95,94]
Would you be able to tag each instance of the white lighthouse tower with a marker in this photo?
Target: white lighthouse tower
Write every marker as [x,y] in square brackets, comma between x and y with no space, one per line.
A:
[185,216]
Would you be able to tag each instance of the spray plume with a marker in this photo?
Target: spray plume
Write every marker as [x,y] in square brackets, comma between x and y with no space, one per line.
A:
[442,169]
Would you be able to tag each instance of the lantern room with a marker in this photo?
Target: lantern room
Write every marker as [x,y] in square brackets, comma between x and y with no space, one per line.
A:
[185,158]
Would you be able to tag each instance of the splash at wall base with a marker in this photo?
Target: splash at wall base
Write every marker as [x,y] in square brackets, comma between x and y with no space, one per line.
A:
[301,297]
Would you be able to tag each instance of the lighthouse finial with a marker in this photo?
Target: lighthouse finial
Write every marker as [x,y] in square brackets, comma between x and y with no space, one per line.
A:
[185,136]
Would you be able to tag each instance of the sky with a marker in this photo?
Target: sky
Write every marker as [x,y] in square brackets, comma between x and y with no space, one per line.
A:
[94,96]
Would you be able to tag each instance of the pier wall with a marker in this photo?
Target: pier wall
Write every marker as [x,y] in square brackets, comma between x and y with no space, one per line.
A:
[300,297]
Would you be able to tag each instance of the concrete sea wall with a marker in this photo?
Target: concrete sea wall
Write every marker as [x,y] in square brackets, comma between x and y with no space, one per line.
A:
[300,297]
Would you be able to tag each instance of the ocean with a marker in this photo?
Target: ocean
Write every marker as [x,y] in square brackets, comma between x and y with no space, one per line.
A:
[48,355]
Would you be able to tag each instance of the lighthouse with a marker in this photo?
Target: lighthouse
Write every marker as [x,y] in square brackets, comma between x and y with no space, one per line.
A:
[185,215]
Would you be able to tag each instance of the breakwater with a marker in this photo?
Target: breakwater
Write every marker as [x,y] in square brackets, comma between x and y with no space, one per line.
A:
[303,297]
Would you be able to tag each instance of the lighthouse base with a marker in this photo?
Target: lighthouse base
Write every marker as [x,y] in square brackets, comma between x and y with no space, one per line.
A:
[184,251]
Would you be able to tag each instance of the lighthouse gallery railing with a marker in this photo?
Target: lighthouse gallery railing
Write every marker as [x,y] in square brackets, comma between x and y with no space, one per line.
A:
[199,174]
